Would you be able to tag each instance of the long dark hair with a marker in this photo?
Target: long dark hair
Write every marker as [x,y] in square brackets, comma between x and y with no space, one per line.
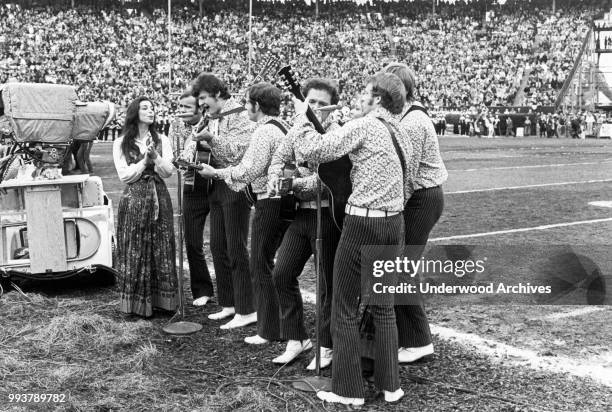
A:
[130,130]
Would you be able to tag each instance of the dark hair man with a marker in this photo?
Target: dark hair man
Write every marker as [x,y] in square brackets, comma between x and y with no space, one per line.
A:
[263,107]
[373,217]
[228,133]
[299,241]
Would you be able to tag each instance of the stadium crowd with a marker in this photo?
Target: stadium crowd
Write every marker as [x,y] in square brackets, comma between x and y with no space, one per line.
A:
[463,60]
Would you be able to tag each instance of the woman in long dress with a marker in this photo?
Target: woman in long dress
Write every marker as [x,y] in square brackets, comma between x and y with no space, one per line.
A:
[145,231]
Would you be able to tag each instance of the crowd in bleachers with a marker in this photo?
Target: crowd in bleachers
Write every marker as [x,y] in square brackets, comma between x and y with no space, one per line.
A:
[463,60]
[488,124]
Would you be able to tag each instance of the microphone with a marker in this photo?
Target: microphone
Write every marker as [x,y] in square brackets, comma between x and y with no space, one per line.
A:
[328,108]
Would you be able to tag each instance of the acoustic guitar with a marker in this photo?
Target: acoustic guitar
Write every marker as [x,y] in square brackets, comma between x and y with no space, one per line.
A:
[335,175]
[204,155]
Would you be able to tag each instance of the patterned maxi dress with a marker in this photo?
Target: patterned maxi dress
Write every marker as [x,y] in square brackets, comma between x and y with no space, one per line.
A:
[146,246]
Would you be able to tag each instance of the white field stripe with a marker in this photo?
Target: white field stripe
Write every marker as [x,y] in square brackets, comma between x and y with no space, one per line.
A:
[528,167]
[571,314]
[492,189]
[499,351]
[601,203]
[524,229]
[118,192]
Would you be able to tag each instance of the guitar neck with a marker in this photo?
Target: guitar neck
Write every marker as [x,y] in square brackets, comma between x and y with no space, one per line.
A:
[314,120]
[312,117]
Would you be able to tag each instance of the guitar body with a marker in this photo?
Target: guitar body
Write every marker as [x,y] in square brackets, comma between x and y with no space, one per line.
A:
[181,164]
[204,157]
[336,175]
[289,202]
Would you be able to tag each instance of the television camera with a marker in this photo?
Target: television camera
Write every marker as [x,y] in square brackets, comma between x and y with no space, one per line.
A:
[51,226]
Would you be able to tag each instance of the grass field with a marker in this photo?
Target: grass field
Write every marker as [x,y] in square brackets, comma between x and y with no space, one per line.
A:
[529,194]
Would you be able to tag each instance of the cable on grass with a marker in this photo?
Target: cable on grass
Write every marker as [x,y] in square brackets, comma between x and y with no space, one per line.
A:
[18,289]
[277,382]
[282,383]
[250,379]
[420,379]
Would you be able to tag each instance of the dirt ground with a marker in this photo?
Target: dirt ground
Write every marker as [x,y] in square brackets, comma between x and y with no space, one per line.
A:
[69,338]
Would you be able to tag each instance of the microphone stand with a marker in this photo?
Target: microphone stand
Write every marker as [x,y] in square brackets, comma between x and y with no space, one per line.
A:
[318,382]
[181,327]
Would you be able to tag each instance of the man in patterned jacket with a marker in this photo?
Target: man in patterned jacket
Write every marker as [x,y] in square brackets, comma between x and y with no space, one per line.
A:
[374,217]
[263,107]
[228,134]
[299,241]
[195,198]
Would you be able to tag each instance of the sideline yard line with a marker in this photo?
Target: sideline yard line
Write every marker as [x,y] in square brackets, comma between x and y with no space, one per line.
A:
[115,192]
[601,203]
[514,356]
[507,354]
[523,229]
[492,189]
[571,314]
[529,166]
[511,355]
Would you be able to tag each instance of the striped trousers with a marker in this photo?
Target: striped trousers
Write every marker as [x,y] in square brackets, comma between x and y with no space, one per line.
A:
[229,230]
[267,232]
[195,211]
[420,215]
[346,368]
[298,245]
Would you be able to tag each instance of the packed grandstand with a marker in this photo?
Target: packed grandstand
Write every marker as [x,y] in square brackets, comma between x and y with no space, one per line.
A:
[466,55]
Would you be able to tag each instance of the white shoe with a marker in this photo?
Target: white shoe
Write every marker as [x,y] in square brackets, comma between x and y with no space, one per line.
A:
[333,398]
[240,320]
[256,340]
[407,355]
[325,359]
[225,313]
[201,301]
[393,396]
[294,348]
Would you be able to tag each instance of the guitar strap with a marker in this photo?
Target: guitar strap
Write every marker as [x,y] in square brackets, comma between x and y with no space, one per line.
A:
[232,111]
[399,152]
[367,329]
[415,107]
[277,124]
[251,196]
[289,203]
[203,124]
[205,119]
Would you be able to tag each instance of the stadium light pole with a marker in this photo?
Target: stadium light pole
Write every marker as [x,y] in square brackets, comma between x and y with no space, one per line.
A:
[181,327]
[250,38]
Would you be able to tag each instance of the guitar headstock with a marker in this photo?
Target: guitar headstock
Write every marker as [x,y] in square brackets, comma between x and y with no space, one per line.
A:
[288,76]
[269,65]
